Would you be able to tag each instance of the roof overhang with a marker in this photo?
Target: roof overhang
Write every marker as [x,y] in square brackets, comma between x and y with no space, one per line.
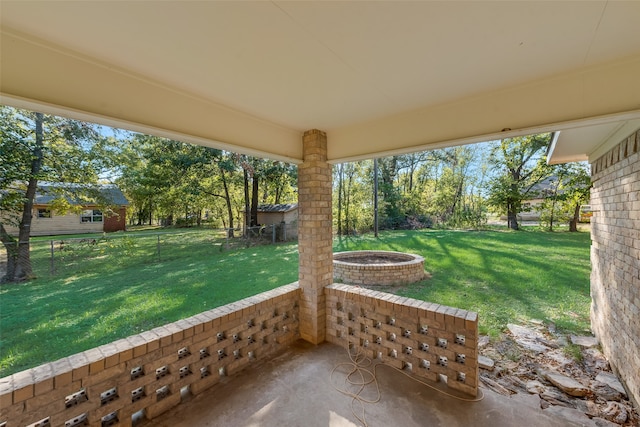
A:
[379,78]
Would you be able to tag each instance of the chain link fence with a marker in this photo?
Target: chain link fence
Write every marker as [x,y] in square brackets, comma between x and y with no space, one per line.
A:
[64,254]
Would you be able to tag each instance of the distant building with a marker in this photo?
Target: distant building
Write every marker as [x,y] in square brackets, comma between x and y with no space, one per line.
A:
[532,206]
[285,216]
[106,215]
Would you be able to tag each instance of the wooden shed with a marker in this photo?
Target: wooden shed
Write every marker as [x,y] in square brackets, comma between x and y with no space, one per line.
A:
[283,215]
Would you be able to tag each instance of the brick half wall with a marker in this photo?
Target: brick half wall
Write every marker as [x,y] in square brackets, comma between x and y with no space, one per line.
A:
[150,372]
[425,339]
[615,259]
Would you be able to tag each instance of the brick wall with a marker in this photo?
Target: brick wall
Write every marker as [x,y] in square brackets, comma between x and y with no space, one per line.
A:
[150,372]
[615,259]
[429,340]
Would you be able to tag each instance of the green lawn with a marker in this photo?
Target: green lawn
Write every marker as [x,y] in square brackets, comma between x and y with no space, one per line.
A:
[123,285]
[504,276]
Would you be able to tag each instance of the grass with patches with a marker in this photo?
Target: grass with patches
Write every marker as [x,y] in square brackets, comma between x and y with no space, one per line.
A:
[123,285]
[504,276]
[114,292]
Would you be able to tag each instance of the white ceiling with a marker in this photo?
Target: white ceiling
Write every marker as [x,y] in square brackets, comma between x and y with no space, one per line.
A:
[378,77]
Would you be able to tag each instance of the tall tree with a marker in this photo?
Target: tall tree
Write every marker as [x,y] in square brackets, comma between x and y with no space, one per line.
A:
[391,197]
[340,180]
[37,147]
[578,192]
[521,164]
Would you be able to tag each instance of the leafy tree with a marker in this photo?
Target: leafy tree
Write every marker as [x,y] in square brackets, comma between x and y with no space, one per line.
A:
[578,192]
[352,197]
[569,189]
[175,178]
[521,164]
[392,215]
[36,147]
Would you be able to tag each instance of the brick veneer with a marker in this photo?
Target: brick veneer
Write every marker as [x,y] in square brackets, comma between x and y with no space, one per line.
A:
[105,386]
[426,339]
[615,259]
[315,238]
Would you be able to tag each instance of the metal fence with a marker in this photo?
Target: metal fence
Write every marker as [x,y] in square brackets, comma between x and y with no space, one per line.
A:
[67,253]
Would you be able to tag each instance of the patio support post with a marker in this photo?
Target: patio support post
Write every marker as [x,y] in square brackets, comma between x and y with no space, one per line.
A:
[314,234]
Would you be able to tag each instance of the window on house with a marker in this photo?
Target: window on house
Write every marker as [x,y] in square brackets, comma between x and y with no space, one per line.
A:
[91,215]
[44,213]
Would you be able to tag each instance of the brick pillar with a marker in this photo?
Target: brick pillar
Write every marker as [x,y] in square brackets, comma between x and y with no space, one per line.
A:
[314,234]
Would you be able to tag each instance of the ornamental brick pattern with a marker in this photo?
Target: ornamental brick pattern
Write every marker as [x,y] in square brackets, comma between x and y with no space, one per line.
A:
[150,372]
[615,259]
[314,235]
[430,341]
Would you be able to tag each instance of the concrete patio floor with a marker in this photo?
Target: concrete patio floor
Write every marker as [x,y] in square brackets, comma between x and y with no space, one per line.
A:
[294,389]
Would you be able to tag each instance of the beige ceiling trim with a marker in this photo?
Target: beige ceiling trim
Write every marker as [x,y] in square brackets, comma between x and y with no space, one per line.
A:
[622,131]
[577,140]
[73,85]
[36,73]
[535,107]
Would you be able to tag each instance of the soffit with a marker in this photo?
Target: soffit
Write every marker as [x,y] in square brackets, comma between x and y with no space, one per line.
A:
[379,77]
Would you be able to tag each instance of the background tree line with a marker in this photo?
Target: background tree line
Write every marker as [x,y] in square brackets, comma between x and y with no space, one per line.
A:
[172,183]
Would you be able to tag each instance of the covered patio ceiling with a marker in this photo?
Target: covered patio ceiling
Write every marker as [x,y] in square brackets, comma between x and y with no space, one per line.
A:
[379,77]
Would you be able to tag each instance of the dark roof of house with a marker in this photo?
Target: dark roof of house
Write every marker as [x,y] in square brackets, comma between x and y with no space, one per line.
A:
[80,194]
[286,207]
[547,185]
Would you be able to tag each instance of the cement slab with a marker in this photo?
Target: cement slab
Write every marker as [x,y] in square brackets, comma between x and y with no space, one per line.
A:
[295,389]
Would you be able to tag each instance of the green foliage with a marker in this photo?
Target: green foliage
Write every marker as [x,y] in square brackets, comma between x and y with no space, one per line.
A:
[102,294]
[33,148]
[521,164]
[437,188]
[573,351]
[352,197]
[569,189]
[179,183]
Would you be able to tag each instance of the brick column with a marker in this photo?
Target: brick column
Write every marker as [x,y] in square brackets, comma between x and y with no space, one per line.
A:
[314,234]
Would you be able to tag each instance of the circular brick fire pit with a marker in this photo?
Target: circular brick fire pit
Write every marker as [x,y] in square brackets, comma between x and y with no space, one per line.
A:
[377,268]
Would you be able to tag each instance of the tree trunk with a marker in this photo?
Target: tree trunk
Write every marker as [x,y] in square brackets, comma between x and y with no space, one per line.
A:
[512,217]
[278,193]
[512,206]
[347,204]
[254,201]
[21,269]
[247,211]
[227,200]
[11,246]
[340,185]
[573,224]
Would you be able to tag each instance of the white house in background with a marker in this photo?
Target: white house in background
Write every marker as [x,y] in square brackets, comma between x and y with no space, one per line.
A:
[95,217]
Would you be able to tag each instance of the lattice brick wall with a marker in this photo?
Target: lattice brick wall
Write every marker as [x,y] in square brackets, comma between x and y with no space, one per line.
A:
[151,371]
[427,339]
